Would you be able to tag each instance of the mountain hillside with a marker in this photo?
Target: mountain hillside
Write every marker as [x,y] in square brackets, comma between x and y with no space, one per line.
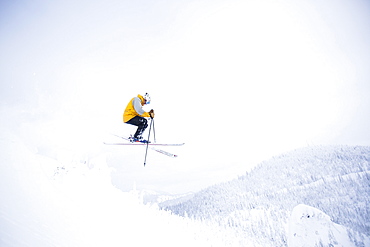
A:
[65,202]
[334,179]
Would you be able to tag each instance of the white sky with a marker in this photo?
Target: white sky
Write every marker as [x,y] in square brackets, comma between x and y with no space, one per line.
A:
[238,81]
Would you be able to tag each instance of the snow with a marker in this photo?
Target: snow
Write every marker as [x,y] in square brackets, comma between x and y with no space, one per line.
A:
[63,196]
[46,202]
[307,197]
[297,71]
[309,226]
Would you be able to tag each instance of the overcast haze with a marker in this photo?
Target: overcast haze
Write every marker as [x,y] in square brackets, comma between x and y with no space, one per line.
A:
[237,81]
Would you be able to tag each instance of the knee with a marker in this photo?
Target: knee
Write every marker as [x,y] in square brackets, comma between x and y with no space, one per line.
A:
[144,122]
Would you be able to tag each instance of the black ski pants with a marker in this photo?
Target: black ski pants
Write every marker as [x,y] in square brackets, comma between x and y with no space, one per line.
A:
[141,124]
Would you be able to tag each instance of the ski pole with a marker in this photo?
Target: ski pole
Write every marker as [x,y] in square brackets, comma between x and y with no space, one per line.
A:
[147,144]
[154,130]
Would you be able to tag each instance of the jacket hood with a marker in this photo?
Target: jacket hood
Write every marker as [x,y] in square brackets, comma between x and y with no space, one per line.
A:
[140,97]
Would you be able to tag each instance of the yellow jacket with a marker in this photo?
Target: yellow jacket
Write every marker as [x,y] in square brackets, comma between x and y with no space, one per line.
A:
[134,108]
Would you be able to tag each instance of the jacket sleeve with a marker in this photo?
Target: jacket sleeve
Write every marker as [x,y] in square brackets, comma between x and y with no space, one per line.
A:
[137,106]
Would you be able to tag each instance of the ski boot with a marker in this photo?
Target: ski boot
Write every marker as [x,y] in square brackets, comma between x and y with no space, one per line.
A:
[138,139]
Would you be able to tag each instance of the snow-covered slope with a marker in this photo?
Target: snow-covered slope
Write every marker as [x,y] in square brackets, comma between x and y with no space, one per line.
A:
[155,197]
[61,195]
[334,180]
[64,202]
[309,226]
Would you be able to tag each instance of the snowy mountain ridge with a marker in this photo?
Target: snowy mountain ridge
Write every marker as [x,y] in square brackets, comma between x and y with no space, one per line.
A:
[332,179]
[155,197]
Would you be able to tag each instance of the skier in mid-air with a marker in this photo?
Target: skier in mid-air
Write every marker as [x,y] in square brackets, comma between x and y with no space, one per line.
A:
[135,115]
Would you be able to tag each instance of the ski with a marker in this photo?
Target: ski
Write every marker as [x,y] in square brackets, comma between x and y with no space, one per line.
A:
[164,152]
[143,144]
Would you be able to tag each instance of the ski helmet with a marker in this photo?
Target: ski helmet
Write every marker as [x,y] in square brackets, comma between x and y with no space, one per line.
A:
[147,98]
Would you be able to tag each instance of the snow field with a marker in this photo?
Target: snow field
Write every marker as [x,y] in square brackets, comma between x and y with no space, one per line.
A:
[63,196]
[309,226]
[62,202]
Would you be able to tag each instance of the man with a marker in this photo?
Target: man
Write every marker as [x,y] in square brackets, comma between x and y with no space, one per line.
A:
[135,115]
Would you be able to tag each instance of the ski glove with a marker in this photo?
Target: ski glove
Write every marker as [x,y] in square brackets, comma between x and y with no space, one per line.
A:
[151,113]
